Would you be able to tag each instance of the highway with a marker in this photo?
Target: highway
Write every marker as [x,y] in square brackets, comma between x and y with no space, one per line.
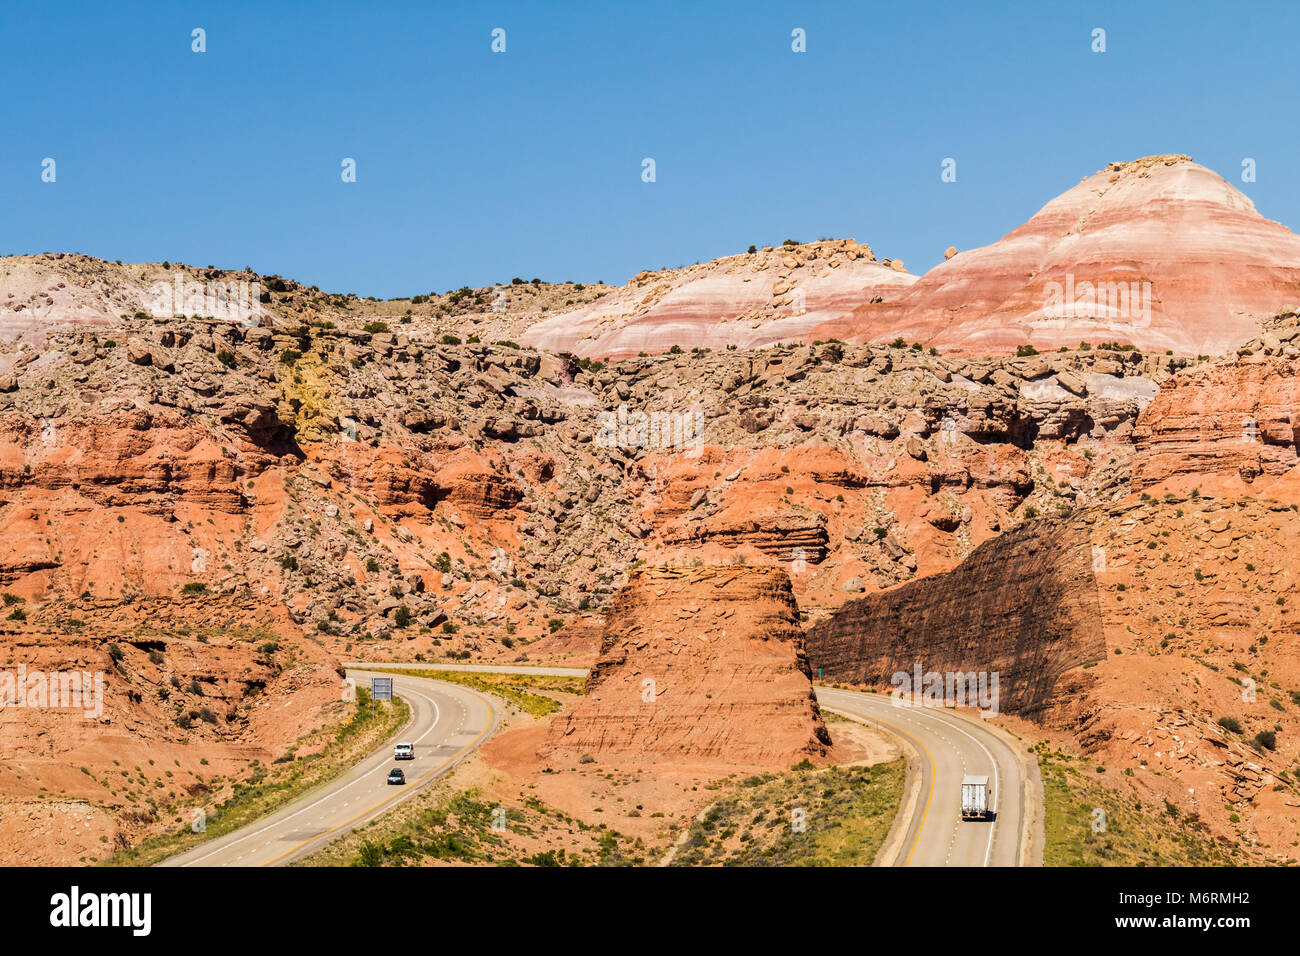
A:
[948,745]
[447,722]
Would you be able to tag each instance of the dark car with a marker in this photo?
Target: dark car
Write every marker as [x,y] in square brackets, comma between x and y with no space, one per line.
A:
[396,776]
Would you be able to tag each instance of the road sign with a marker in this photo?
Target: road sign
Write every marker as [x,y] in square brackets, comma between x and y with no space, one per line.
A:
[381,688]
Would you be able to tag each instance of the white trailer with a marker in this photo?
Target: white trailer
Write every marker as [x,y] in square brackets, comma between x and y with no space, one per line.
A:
[976,797]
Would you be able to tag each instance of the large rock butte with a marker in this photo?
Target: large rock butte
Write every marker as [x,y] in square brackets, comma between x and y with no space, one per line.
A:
[699,665]
[1205,265]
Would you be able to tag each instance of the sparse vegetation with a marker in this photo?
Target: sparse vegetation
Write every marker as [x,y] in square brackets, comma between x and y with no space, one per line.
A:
[267,790]
[838,816]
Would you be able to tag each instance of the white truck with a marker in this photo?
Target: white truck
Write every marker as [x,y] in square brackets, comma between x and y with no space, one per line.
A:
[976,798]
[404,752]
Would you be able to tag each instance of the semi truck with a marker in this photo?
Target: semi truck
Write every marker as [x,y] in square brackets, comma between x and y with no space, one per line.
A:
[976,798]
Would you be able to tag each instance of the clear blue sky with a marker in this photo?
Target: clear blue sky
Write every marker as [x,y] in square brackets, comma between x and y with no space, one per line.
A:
[475,167]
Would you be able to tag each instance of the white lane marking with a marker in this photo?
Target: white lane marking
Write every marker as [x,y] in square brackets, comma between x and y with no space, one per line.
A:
[329,796]
[943,721]
[997,787]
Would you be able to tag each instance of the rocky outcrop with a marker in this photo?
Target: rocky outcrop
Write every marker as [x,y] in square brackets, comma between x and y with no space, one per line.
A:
[1023,605]
[1161,253]
[1235,418]
[699,665]
[787,536]
[750,300]
[133,456]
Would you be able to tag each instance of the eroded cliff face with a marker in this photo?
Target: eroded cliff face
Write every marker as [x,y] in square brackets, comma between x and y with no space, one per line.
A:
[1233,423]
[698,665]
[1132,628]
[345,473]
[1023,605]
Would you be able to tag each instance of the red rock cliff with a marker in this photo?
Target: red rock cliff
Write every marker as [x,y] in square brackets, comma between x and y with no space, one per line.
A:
[699,665]
[1023,605]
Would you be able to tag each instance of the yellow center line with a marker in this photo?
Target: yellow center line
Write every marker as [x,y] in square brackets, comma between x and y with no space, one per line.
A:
[468,746]
[929,797]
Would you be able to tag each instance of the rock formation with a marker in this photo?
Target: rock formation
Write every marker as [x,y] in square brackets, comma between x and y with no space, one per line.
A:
[698,665]
[1160,253]
[1234,420]
[749,300]
[1023,605]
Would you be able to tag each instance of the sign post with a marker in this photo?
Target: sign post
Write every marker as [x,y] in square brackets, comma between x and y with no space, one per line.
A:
[381,688]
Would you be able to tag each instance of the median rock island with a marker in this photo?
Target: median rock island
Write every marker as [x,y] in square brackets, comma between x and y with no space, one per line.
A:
[698,665]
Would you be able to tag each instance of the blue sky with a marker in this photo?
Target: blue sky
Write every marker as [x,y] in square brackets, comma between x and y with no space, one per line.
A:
[474,167]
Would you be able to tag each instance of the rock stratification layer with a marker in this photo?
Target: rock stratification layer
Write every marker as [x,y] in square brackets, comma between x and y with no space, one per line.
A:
[1232,424]
[749,300]
[1161,253]
[699,665]
[1023,606]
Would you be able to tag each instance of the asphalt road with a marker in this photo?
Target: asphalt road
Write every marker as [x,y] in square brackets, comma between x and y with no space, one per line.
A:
[949,745]
[448,722]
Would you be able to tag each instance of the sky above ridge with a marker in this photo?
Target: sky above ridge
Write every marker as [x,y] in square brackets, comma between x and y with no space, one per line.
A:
[474,166]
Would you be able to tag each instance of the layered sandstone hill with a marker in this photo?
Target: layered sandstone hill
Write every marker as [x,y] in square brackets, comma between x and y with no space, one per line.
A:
[1158,626]
[749,300]
[1023,605]
[1205,267]
[698,665]
[1231,425]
